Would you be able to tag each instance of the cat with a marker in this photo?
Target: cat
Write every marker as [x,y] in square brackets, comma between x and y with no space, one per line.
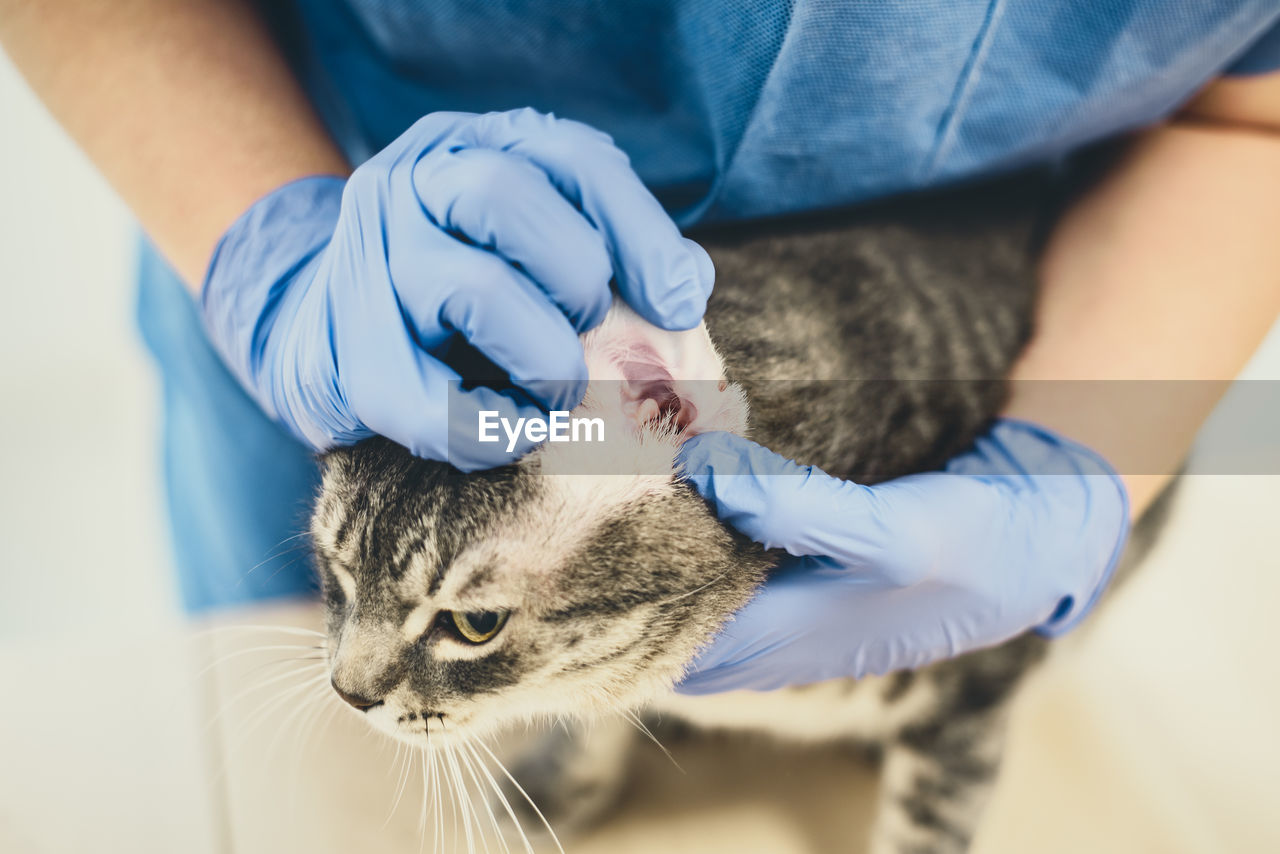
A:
[870,344]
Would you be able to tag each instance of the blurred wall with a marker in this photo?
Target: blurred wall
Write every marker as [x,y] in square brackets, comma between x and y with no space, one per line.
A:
[82,543]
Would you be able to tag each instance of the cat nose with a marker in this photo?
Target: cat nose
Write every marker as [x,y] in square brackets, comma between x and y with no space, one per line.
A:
[355,701]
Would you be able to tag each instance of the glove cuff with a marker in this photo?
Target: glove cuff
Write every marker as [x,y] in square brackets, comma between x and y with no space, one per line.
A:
[1105,498]
[255,262]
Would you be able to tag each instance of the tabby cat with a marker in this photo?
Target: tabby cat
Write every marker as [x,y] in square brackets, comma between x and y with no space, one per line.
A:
[869,344]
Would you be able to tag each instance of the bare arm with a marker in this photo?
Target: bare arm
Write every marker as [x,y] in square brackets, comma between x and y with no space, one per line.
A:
[1169,269]
[186,107]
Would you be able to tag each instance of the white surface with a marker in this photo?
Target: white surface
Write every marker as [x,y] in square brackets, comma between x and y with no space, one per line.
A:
[103,749]
[81,549]
[1153,732]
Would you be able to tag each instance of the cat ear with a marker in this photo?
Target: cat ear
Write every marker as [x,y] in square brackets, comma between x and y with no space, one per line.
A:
[662,379]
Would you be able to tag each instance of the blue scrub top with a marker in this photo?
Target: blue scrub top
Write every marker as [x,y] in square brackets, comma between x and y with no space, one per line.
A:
[728,110]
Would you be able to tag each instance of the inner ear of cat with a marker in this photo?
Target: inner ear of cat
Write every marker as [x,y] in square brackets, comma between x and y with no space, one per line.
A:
[658,380]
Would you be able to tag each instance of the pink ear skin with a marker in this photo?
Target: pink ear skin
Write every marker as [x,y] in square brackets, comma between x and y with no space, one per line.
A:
[649,393]
[667,405]
[669,383]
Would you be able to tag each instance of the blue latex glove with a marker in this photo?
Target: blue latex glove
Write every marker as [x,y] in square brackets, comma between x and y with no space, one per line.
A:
[333,301]
[1021,531]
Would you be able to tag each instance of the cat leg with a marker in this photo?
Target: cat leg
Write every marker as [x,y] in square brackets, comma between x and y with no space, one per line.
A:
[935,783]
[574,773]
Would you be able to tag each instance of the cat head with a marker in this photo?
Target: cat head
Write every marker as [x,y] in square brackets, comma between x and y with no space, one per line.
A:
[464,602]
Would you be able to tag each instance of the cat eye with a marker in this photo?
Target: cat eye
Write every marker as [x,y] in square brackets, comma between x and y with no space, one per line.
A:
[478,626]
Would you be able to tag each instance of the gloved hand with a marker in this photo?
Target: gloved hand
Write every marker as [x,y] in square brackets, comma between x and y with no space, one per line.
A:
[1021,531]
[333,301]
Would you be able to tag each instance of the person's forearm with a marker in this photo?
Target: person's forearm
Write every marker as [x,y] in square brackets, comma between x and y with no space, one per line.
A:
[1169,269]
[186,107]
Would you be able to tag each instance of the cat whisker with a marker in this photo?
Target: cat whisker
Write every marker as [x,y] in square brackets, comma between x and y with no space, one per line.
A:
[320,643]
[306,670]
[503,768]
[615,704]
[307,708]
[404,757]
[301,663]
[471,797]
[272,554]
[461,795]
[288,565]
[453,796]
[421,756]
[286,695]
[437,828]
[298,713]
[323,711]
[459,764]
[203,661]
[261,713]
[721,577]
[422,809]
[502,798]
[239,653]
[258,627]
[634,719]
[469,763]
